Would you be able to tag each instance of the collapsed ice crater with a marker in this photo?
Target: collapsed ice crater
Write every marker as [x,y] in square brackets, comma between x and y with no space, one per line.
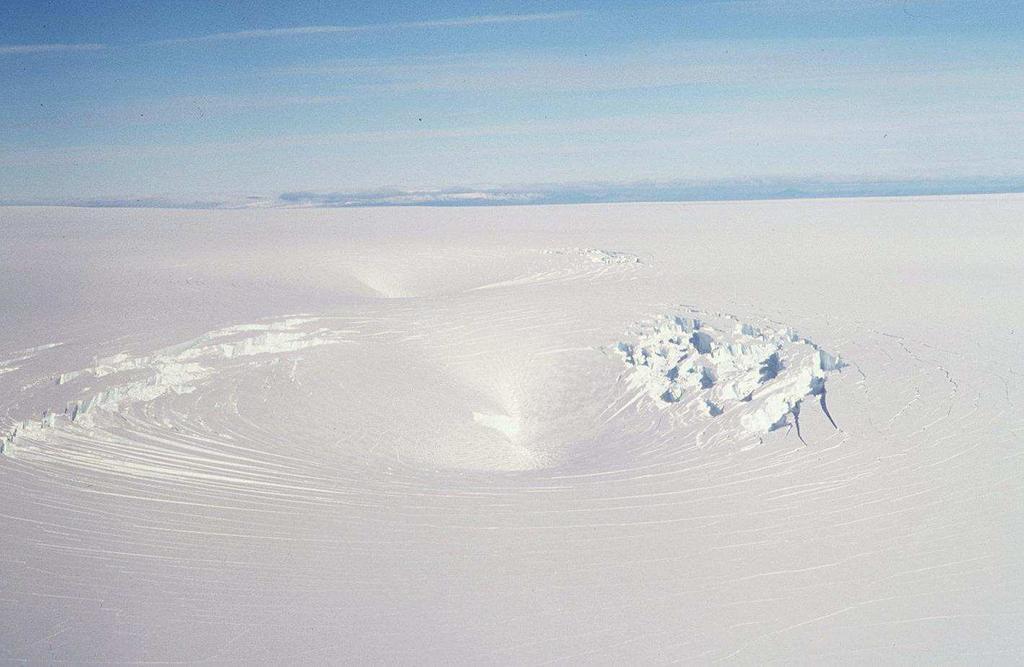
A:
[723,369]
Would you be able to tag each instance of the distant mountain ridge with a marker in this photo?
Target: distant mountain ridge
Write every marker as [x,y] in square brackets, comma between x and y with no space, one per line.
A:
[574,193]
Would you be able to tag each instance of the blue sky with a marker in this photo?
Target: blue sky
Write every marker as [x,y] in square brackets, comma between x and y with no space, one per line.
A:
[189,100]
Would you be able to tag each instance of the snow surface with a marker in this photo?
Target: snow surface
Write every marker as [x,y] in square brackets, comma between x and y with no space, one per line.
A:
[718,432]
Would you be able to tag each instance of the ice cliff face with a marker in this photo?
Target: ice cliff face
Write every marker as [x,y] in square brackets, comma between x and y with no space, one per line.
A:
[755,375]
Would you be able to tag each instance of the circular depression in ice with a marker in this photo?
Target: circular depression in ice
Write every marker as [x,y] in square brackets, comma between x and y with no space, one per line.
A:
[349,389]
[457,384]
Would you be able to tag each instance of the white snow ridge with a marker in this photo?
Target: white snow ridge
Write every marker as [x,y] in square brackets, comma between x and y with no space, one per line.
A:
[597,255]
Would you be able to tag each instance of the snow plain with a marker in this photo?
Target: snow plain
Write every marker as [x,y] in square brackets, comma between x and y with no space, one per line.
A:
[720,432]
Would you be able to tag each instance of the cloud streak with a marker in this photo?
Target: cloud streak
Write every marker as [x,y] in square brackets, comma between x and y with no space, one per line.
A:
[16,49]
[301,31]
[306,31]
[831,62]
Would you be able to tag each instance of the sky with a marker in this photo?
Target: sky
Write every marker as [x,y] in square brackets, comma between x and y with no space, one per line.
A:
[197,101]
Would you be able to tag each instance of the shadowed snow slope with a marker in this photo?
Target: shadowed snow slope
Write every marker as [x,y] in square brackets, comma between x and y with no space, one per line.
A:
[735,432]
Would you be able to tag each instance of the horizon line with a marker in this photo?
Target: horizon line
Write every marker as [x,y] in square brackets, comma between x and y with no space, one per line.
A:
[725,190]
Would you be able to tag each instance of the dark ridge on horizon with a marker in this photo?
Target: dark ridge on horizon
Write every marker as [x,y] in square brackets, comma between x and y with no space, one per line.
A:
[547,194]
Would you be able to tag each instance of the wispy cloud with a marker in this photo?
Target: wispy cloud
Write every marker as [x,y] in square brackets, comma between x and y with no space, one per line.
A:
[299,31]
[14,49]
[160,111]
[309,30]
[822,62]
[771,127]
[781,7]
